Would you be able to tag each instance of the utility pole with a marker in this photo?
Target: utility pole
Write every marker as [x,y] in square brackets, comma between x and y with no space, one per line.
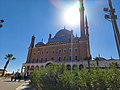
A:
[112,17]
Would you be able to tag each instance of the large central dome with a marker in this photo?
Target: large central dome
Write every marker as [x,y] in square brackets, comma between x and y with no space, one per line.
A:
[65,33]
[62,35]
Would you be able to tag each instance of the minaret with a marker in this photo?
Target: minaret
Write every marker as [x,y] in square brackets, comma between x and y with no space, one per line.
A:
[87,37]
[86,25]
[81,10]
[30,49]
[32,42]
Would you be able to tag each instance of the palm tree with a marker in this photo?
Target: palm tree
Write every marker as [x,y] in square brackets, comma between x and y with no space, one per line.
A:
[8,57]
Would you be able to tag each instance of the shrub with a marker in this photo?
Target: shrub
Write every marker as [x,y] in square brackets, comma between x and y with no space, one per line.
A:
[57,77]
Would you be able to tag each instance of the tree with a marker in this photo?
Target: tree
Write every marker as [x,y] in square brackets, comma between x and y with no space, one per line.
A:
[8,57]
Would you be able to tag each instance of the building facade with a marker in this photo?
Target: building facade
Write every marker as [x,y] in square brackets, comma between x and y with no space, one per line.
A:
[63,47]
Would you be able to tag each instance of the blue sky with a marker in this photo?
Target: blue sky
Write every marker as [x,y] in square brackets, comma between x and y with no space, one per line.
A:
[23,18]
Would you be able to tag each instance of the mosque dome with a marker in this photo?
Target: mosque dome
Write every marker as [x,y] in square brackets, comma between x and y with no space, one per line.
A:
[64,32]
[62,35]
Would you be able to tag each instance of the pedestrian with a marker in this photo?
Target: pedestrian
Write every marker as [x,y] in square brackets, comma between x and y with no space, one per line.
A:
[25,76]
[12,76]
[16,76]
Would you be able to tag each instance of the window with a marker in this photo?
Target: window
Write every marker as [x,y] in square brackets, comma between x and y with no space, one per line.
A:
[41,60]
[64,50]
[76,58]
[76,49]
[64,58]
[42,52]
[52,58]
[37,61]
[59,50]
[45,59]
[70,58]
[53,51]
[59,59]
[70,50]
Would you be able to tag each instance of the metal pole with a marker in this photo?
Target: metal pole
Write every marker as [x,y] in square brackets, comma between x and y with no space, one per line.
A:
[115,27]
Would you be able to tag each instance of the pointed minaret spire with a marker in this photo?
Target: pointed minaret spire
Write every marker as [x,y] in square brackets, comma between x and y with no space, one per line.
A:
[86,25]
[32,42]
[64,27]
[81,10]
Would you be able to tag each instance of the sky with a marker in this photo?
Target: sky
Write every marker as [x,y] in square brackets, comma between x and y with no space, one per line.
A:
[24,18]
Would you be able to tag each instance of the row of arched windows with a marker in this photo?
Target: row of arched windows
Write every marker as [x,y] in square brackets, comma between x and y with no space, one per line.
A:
[59,51]
[69,67]
[42,60]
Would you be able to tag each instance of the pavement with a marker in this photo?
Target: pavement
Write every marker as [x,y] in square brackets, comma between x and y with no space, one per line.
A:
[6,84]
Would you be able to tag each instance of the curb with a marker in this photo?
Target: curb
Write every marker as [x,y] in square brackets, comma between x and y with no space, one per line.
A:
[19,87]
[22,85]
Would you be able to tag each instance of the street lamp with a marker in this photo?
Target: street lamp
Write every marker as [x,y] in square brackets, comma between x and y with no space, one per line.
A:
[1,21]
[110,16]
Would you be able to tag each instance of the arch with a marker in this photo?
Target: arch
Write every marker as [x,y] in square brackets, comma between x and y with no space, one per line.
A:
[74,66]
[68,67]
[48,64]
[32,67]
[41,66]
[37,67]
[28,67]
[81,66]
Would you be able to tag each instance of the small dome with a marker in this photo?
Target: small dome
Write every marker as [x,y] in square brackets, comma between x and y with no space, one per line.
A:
[39,44]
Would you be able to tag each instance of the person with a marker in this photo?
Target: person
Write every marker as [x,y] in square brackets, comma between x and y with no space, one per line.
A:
[17,76]
[25,76]
[12,76]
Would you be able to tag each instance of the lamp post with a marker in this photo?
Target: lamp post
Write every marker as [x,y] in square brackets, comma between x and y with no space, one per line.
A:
[112,18]
[1,21]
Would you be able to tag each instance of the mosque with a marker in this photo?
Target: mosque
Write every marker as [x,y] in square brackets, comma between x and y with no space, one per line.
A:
[63,47]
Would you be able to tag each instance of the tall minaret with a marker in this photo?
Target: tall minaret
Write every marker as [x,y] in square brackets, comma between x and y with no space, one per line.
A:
[87,37]
[81,10]
[86,26]
[32,42]
[30,49]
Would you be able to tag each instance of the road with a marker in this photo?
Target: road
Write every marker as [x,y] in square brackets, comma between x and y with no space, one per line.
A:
[6,84]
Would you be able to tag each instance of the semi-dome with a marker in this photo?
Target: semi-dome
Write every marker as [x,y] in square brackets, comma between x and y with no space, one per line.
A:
[39,44]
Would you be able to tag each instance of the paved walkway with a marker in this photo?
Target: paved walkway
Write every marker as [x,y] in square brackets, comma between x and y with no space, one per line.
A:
[6,84]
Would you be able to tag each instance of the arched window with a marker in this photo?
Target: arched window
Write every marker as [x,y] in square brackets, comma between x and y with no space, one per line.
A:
[68,67]
[81,66]
[52,58]
[37,67]
[32,67]
[37,61]
[59,59]
[76,58]
[70,58]
[45,59]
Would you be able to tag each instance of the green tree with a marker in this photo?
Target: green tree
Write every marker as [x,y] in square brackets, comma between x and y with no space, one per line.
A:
[8,57]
